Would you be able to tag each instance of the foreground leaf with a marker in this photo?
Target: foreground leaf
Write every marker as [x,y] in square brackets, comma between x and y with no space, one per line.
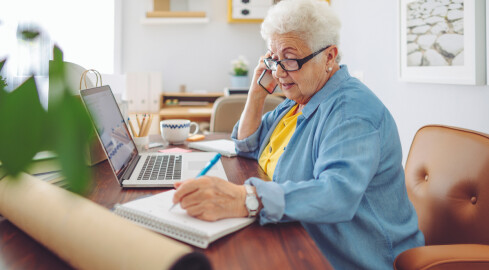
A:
[70,127]
[23,119]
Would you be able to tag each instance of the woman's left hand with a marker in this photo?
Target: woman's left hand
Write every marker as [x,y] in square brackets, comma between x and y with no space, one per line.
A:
[211,198]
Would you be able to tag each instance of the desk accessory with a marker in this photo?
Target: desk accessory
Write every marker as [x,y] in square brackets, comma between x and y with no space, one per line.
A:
[223,146]
[84,234]
[176,131]
[153,213]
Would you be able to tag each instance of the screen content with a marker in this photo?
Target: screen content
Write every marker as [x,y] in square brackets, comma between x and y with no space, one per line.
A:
[111,128]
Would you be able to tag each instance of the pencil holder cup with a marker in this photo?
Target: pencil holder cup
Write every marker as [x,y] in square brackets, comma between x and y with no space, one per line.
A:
[176,131]
[141,143]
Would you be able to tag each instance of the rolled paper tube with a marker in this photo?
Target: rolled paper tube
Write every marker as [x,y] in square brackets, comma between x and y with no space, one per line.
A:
[84,234]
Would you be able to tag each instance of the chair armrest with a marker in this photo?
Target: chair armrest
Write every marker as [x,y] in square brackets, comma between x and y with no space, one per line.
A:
[459,256]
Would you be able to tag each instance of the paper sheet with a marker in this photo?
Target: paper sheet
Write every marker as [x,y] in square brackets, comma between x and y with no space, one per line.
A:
[84,234]
[175,150]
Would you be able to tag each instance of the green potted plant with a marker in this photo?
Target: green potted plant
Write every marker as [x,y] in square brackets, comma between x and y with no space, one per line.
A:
[239,73]
[27,128]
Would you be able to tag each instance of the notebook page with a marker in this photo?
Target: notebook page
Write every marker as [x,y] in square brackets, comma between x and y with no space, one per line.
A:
[158,206]
[223,146]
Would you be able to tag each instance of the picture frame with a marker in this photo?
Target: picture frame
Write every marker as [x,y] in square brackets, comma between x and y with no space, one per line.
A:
[249,11]
[442,42]
[487,43]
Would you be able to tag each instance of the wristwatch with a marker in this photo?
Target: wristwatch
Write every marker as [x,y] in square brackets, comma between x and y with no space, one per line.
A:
[251,202]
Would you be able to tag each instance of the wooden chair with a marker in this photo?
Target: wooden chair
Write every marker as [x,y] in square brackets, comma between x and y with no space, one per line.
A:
[447,180]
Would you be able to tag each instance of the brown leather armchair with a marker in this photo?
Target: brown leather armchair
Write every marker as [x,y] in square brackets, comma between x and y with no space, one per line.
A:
[447,180]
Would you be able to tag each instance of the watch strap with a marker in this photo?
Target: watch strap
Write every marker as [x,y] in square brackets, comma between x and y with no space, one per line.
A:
[250,194]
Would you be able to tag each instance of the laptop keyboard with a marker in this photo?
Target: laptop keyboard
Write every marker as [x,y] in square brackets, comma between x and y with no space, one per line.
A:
[162,168]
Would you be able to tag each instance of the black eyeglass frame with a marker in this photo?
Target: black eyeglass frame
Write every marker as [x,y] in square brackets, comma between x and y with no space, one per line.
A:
[300,62]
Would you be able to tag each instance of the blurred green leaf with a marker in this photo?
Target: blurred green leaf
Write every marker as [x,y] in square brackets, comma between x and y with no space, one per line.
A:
[27,128]
[70,128]
[70,134]
[29,34]
[3,82]
[23,119]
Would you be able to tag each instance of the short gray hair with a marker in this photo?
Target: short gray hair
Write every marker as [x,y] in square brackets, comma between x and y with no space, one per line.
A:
[313,20]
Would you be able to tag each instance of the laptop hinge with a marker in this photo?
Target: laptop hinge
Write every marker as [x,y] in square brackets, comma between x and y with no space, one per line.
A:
[127,174]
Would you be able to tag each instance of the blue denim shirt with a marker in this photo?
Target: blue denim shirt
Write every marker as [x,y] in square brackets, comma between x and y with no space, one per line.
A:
[341,176]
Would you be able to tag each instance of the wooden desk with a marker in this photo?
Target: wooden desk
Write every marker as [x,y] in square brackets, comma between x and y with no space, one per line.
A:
[276,246]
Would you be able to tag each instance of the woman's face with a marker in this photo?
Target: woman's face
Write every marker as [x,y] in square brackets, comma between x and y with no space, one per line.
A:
[302,84]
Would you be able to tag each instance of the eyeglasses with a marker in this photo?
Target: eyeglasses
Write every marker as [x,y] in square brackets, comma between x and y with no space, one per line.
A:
[291,64]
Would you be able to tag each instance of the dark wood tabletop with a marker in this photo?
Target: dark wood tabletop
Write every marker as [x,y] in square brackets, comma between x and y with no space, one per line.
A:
[274,246]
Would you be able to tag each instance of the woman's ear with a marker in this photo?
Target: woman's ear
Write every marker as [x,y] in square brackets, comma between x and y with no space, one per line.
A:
[332,53]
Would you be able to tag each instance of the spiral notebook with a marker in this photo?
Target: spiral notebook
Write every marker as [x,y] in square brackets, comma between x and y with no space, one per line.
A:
[153,213]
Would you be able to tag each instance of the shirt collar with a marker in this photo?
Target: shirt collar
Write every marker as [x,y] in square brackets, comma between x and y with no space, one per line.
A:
[331,85]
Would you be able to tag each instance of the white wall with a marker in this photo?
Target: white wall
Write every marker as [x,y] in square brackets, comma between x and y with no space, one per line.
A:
[197,55]
[369,44]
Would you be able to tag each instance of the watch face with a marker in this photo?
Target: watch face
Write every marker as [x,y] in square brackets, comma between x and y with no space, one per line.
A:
[252,203]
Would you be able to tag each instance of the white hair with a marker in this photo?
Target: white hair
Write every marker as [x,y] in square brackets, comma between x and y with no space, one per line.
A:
[314,21]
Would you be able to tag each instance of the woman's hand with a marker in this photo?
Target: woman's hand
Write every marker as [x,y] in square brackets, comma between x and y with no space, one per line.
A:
[211,198]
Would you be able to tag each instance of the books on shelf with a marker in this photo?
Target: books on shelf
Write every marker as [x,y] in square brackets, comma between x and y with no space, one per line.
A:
[193,103]
[153,213]
[223,146]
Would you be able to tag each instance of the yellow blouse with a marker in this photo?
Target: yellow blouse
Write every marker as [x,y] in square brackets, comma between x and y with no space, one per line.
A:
[278,141]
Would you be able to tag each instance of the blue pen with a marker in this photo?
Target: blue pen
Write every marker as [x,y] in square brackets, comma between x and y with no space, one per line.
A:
[207,167]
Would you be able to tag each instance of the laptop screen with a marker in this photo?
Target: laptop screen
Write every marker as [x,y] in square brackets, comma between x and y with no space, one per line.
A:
[111,128]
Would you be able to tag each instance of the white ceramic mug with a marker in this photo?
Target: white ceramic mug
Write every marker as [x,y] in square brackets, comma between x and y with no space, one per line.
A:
[176,131]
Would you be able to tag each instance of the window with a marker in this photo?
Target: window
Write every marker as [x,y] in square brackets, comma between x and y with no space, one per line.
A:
[84,30]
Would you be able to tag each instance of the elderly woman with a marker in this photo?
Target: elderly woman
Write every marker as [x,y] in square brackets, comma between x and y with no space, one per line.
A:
[331,149]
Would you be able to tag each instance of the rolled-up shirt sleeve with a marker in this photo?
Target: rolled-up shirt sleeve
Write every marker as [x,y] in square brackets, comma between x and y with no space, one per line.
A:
[247,147]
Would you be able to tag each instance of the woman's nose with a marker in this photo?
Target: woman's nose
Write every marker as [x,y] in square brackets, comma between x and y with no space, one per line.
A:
[280,72]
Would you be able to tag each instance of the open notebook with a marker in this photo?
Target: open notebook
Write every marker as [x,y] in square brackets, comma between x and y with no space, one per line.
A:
[223,146]
[153,213]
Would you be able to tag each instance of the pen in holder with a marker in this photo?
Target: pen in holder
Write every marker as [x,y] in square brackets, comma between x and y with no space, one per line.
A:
[140,136]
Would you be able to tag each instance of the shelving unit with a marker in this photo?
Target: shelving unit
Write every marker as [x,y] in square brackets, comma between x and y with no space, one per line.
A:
[197,113]
[158,21]
[163,15]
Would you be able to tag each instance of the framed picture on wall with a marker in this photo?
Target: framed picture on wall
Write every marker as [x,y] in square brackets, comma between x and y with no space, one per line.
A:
[249,11]
[487,43]
[442,41]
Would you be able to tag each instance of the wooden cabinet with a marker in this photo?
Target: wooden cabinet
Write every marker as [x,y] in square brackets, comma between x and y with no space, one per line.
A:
[193,106]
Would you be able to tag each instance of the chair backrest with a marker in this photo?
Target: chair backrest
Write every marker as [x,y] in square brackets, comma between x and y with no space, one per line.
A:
[447,179]
[227,111]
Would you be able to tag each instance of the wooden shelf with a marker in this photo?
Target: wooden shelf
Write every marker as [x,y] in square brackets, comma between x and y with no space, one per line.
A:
[193,113]
[163,15]
[175,14]
[176,20]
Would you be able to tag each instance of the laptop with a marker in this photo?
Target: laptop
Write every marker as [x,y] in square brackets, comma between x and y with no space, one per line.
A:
[132,168]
